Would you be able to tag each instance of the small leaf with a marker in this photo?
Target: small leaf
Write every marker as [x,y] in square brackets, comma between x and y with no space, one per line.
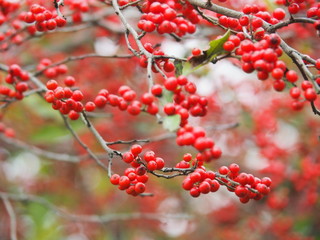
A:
[179,67]
[215,49]
[167,97]
[172,123]
[216,46]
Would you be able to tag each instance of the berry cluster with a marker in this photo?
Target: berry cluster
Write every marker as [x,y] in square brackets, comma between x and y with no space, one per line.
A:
[51,72]
[64,99]
[168,17]
[244,185]
[196,137]
[133,180]
[136,176]
[17,78]
[127,100]
[44,19]
[200,181]
[161,63]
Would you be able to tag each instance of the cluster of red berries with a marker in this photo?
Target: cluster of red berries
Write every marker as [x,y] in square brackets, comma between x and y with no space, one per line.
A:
[78,8]
[162,63]
[196,137]
[314,12]
[17,78]
[149,159]
[308,92]
[51,72]
[136,176]
[133,180]
[200,181]
[168,17]
[244,185]
[126,100]
[183,103]
[44,19]
[296,6]
[64,99]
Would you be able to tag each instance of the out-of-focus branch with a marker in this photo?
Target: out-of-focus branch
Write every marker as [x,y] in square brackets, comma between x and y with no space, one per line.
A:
[111,217]
[12,216]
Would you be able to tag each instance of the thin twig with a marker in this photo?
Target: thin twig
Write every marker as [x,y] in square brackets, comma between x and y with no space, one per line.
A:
[12,216]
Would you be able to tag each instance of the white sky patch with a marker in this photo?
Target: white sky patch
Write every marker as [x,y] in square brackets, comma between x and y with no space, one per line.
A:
[254,159]
[172,227]
[175,227]
[287,136]
[212,201]
[105,46]
[24,166]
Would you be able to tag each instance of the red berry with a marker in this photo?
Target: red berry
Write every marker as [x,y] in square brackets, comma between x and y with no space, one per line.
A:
[52,84]
[90,106]
[140,187]
[128,157]
[124,182]
[136,149]
[196,52]
[156,90]
[115,179]
[204,187]
[295,92]
[69,81]
[310,94]
[195,192]
[228,46]
[291,76]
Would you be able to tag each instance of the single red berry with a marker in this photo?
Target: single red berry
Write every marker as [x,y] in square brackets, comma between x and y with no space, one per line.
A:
[136,149]
[205,187]
[310,94]
[90,106]
[115,179]
[73,115]
[152,165]
[124,182]
[156,90]
[77,95]
[228,46]
[305,85]
[195,192]
[169,66]
[128,157]
[279,85]
[279,13]
[291,76]
[241,191]
[140,187]
[295,92]
[196,52]
[52,84]
[100,101]
[224,170]
[234,168]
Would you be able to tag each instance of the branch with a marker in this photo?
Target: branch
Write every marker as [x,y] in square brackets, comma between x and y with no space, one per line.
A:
[12,216]
[83,144]
[112,217]
[81,57]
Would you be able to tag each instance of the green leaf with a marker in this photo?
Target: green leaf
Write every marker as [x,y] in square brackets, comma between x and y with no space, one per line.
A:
[172,123]
[215,49]
[167,97]
[216,46]
[179,67]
